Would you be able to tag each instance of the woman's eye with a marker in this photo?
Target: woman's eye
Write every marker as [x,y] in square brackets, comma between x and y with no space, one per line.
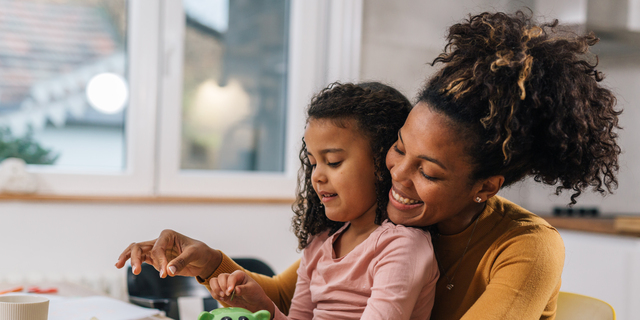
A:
[396,149]
[428,177]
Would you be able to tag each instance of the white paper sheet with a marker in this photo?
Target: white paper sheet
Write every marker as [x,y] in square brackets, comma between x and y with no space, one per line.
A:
[103,308]
[190,307]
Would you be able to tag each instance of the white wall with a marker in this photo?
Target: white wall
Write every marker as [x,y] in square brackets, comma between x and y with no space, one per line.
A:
[400,37]
[54,240]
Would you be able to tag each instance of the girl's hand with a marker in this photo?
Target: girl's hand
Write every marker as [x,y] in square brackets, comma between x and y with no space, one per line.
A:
[172,254]
[248,293]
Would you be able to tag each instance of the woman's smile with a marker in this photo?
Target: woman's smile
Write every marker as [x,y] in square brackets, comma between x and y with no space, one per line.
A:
[401,200]
[406,209]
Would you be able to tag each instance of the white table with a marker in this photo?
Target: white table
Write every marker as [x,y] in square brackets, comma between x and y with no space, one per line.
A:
[67,289]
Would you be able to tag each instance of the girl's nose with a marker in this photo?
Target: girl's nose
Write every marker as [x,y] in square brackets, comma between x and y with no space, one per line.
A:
[318,174]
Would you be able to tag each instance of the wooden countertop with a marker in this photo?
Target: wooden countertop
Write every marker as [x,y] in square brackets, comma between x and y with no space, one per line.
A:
[618,225]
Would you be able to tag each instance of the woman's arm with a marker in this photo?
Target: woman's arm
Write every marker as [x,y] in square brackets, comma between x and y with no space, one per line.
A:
[175,254]
[524,278]
[172,254]
[279,288]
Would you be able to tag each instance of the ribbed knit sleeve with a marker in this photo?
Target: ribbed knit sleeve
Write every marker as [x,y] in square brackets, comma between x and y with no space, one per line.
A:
[524,277]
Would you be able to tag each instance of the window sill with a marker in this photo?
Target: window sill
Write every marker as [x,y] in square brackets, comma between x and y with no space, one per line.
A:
[140,199]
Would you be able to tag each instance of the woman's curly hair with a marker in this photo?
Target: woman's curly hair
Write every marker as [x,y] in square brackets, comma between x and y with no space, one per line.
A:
[527,98]
[379,112]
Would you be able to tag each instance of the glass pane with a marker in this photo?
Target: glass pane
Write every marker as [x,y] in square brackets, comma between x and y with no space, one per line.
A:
[235,70]
[63,84]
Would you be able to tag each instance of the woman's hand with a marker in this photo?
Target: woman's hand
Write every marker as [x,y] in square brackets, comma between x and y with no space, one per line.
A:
[248,293]
[172,254]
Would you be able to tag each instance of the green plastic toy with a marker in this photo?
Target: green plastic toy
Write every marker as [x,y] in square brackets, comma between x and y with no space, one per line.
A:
[234,314]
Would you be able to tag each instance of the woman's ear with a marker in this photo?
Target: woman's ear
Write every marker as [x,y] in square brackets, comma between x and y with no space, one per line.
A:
[488,188]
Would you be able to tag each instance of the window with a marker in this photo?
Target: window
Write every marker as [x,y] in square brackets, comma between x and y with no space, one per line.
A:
[234,85]
[58,58]
[98,153]
[211,94]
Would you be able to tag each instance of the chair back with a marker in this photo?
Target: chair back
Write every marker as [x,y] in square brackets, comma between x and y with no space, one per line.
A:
[255,265]
[573,306]
[147,289]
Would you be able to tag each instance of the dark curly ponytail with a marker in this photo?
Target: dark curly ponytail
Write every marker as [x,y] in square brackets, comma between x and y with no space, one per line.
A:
[528,99]
[379,112]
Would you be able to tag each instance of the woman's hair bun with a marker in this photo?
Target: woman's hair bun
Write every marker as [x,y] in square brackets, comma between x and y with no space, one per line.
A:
[529,97]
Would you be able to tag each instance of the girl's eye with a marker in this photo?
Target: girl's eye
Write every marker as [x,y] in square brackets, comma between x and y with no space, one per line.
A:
[334,164]
[311,162]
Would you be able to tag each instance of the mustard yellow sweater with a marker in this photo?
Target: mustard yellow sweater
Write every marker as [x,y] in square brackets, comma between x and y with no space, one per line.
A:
[511,269]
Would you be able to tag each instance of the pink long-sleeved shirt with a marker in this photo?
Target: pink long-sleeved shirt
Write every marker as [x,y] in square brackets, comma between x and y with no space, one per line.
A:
[390,275]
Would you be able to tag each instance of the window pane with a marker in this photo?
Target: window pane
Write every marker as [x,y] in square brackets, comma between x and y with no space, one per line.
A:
[63,83]
[235,71]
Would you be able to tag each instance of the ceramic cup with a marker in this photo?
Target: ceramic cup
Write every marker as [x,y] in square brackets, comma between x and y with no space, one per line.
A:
[24,307]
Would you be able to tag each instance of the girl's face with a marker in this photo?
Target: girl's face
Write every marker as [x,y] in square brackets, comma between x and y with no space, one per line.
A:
[343,170]
[430,173]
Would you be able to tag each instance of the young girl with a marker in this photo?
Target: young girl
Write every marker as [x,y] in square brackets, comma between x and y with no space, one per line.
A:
[355,263]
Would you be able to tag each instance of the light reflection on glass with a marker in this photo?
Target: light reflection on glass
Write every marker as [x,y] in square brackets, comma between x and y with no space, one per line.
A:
[234,87]
[49,52]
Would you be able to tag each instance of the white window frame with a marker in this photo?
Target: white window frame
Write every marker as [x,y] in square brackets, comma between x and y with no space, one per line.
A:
[324,46]
[137,179]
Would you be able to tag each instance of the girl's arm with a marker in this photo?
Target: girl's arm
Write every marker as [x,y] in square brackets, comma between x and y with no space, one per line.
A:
[279,288]
[405,276]
[525,277]
[238,289]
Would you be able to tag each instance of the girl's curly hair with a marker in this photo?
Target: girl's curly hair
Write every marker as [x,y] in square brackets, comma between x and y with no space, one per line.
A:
[379,111]
[527,99]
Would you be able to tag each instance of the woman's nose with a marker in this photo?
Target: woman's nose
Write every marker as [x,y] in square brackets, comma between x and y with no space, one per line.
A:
[399,171]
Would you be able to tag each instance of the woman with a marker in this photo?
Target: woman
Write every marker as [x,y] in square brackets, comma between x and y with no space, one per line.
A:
[513,99]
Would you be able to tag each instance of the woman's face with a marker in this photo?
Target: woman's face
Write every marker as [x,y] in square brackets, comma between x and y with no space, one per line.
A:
[430,173]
